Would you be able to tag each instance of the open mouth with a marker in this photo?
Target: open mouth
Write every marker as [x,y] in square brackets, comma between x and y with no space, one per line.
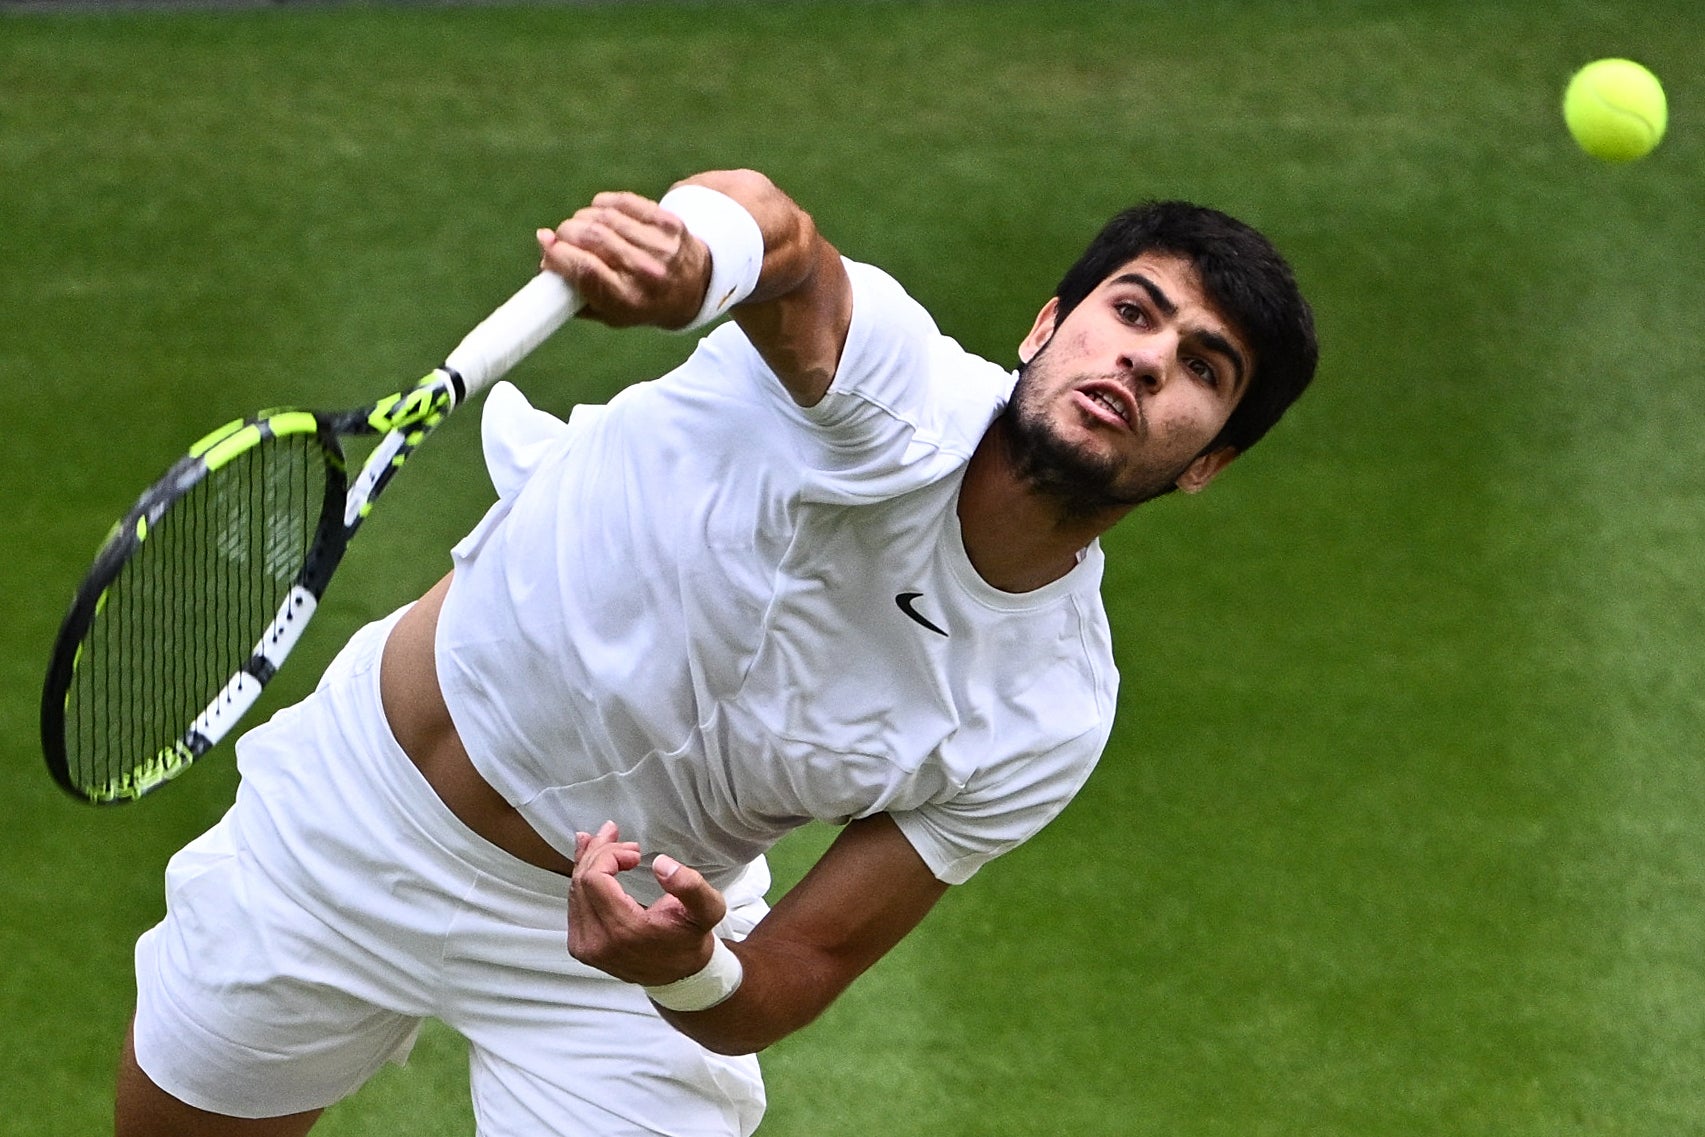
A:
[1109,404]
[1116,408]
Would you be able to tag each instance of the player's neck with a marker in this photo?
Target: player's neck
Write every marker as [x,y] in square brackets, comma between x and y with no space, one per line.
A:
[1019,539]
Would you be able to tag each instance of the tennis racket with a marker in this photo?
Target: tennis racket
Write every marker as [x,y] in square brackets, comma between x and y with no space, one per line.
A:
[201,591]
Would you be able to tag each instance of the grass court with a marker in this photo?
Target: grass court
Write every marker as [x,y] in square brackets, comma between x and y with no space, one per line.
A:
[1401,830]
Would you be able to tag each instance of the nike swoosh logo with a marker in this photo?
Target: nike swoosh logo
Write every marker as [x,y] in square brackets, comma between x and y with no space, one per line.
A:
[904,600]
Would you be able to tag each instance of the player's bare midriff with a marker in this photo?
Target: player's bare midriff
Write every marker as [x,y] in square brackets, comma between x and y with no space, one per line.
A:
[420,720]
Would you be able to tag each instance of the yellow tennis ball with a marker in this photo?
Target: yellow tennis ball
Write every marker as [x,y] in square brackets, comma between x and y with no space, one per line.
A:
[1615,109]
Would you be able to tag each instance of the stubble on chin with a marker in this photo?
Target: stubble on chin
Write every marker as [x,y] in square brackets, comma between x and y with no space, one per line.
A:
[1084,481]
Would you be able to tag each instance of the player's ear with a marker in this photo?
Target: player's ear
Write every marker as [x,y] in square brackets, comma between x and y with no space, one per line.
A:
[1205,469]
[1040,331]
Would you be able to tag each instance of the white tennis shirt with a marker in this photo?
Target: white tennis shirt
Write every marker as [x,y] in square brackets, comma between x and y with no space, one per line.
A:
[711,615]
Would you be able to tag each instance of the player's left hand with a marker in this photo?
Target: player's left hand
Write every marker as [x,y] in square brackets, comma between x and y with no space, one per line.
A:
[610,930]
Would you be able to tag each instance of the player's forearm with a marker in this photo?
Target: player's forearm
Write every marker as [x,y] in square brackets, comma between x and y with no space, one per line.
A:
[860,899]
[866,893]
[781,992]
[798,314]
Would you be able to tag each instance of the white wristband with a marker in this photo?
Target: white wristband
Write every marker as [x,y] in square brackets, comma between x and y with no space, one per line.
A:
[706,987]
[736,246]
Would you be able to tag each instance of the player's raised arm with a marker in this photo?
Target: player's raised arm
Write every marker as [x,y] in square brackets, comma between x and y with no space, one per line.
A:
[856,903]
[721,241]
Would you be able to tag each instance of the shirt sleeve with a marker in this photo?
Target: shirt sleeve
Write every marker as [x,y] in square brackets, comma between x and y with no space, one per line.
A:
[1000,809]
[907,404]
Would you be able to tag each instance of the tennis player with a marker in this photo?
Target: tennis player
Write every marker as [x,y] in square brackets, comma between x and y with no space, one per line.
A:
[833,566]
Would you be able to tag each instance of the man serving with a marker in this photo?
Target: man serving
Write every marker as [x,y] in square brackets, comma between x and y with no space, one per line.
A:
[832,567]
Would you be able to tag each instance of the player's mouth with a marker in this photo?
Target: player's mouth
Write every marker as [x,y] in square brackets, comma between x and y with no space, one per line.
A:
[1108,403]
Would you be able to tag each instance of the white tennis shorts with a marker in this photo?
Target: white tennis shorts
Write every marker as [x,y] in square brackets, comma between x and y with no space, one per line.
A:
[339,903]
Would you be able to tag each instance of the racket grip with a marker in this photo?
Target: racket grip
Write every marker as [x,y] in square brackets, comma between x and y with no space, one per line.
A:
[505,337]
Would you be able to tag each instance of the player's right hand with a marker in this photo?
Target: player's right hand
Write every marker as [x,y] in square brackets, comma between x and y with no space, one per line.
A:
[631,261]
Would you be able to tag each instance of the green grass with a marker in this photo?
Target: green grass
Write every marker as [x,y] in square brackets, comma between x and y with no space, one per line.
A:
[1400,832]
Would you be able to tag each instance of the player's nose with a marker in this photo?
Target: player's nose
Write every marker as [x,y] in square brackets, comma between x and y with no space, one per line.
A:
[1149,364]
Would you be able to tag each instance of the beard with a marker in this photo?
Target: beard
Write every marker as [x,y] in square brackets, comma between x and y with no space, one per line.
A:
[1084,481]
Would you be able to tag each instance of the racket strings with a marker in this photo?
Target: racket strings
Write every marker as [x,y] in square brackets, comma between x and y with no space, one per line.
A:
[185,613]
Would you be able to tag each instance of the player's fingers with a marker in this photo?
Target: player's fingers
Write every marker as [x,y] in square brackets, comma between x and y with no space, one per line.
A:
[702,903]
[645,246]
[612,290]
[641,210]
[610,835]
[626,201]
[645,222]
[604,853]
[603,899]
[583,841]
[602,919]
[607,860]
[575,264]
[608,293]
[595,248]
[593,886]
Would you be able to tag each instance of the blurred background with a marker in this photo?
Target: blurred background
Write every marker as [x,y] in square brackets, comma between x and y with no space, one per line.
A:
[1399,832]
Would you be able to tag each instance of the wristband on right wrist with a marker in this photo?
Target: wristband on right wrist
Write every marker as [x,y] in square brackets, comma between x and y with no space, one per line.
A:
[735,242]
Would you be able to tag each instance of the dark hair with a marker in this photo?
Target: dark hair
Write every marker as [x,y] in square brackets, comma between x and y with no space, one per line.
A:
[1243,277]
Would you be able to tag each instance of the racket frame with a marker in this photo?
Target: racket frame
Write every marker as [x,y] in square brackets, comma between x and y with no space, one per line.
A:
[403,419]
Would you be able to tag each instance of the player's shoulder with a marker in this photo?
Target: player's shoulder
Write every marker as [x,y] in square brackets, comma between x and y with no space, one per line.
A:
[882,306]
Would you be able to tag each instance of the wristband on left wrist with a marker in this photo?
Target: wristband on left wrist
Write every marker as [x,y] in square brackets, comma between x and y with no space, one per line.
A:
[710,985]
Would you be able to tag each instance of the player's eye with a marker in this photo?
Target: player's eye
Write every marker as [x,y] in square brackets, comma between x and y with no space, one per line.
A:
[1205,371]
[1130,312]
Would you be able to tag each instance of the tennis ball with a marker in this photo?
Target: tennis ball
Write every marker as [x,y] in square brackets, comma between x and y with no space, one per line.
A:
[1615,109]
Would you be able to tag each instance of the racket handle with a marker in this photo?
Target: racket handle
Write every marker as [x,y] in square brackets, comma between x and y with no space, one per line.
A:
[505,337]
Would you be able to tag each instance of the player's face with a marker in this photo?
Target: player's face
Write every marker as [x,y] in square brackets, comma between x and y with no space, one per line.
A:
[1117,403]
